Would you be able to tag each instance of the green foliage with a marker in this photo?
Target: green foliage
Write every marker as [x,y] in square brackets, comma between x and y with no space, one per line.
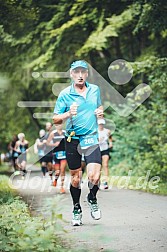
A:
[39,36]
[21,232]
[143,183]
[99,38]
[4,168]
[6,193]
[141,138]
[151,15]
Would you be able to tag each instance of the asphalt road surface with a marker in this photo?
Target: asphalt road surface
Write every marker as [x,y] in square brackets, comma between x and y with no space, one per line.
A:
[131,220]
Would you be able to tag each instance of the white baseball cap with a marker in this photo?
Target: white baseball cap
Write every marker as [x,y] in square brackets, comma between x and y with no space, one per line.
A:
[42,132]
[20,136]
[101,121]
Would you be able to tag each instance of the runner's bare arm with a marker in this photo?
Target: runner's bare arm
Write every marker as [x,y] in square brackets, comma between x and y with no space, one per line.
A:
[49,140]
[41,143]
[27,143]
[110,139]
[16,145]
[99,112]
[36,146]
[109,133]
[59,119]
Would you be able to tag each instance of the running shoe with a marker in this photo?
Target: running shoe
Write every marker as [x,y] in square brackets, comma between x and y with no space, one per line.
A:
[77,217]
[62,190]
[54,183]
[17,173]
[94,209]
[105,185]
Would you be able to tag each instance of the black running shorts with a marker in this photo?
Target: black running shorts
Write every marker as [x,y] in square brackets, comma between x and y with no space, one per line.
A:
[47,158]
[74,154]
[105,152]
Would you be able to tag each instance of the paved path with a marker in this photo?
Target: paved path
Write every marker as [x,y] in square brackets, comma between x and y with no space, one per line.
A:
[131,220]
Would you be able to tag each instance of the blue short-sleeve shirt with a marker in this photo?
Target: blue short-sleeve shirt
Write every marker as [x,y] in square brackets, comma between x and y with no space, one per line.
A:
[85,122]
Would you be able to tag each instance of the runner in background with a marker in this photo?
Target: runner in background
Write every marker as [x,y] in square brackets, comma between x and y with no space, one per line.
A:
[40,147]
[14,154]
[83,164]
[48,150]
[56,139]
[105,142]
[21,148]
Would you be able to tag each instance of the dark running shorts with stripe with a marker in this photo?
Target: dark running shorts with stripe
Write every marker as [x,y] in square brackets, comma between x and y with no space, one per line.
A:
[74,154]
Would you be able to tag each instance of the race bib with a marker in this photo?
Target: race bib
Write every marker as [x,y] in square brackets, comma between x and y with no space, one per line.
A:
[88,141]
[15,154]
[23,149]
[41,153]
[60,154]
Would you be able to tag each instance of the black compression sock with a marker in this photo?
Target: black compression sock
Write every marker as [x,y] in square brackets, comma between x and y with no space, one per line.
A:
[75,194]
[93,191]
[24,172]
[43,168]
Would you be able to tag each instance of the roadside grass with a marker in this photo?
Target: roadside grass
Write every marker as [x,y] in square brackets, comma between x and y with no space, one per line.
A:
[5,168]
[138,183]
[158,187]
[123,177]
[6,193]
[19,231]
